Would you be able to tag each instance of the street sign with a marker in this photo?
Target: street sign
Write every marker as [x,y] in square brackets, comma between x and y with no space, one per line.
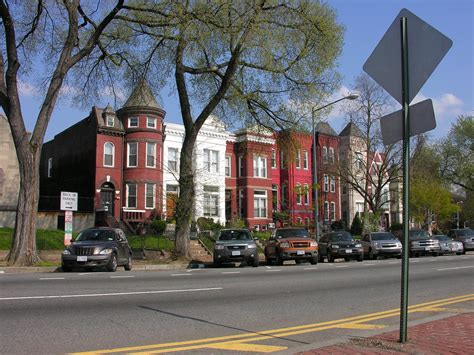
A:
[426,48]
[68,201]
[67,227]
[422,119]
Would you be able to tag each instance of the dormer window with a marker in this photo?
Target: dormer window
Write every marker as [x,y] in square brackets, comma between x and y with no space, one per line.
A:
[133,122]
[110,121]
[150,122]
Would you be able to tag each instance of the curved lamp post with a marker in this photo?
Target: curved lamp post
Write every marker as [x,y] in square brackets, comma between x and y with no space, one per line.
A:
[315,169]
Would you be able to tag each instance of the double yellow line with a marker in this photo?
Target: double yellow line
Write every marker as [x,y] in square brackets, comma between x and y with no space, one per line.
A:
[241,342]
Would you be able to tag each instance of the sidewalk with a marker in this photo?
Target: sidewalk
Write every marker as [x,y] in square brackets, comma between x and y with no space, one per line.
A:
[451,335]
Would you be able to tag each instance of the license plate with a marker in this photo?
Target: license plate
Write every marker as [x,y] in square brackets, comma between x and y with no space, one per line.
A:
[236,253]
[300,252]
[348,251]
[82,258]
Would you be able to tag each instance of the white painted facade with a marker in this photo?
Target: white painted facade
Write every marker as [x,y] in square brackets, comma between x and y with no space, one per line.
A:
[209,164]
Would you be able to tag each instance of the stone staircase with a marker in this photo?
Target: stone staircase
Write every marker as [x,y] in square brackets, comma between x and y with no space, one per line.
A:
[199,253]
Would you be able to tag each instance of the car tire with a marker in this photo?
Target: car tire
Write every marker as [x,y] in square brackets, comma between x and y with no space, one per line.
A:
[278,260]
[255,262]
[459,253]
[66,268]
[371,254]
[320,257]
[347,259]
[435,254]
[313,261]
[216,263]
[463,252]
[112,264]
[360,258]
[330,258]
[129,264]
[297,261]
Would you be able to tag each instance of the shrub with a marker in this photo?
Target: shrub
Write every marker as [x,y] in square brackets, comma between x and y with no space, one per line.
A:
[338,225]
[158,226]
[396,227]
[356,227]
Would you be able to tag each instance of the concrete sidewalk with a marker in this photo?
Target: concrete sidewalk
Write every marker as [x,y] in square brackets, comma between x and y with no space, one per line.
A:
[451,335]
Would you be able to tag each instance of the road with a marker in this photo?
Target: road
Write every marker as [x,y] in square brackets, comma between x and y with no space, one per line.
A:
[226,310]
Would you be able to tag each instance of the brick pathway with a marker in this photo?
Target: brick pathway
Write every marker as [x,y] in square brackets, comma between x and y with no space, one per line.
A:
[453,335]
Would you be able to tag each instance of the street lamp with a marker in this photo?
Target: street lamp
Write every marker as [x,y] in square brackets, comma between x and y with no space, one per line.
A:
[457,213]
[315,169]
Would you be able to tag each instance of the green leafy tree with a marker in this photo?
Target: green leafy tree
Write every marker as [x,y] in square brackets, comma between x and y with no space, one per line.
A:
[246,61]
[356,227]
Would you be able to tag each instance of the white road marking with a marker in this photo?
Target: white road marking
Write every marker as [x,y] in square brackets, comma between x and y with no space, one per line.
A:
[372,264]
[311,268]
[51,278]
[414,261]
[455,268]
[2,272]
[273,270]
[121,277]
[109,294]
[393,262]
[268,267]
[231,272]
[181,274]
[342,266]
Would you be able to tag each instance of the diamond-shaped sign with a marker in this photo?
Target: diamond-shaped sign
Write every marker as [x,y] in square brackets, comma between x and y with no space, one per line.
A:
[426,48]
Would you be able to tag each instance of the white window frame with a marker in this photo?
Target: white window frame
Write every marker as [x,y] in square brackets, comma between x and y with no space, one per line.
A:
[50,167]
[241,166]
[298,159]
[274,159]
[130,125]
[151,120]
[326,210]
[306,194]
[109,120]
[333,212]
[112,154]
[211,161]
[147,185]
[305,159]
[332,183]
[331,155]
[210,201]
[153,165]
[170,162]
[260,203]
[298,191]
[325,183]
[359,158]
[127,192]
[325,155]
[259,166]
[228,166]
[129,144]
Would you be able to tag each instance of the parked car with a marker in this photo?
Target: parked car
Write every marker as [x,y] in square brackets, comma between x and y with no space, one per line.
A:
[235,245]
[421,243]
[381,244]
[465,236]
[98,247]
[291,244]
[340,244]
[449,245]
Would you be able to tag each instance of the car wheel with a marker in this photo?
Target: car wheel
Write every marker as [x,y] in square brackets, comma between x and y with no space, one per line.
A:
[371,254]
[330,258]
[360,257]
[128,265]
[297,261]
[255,262]
[435,254]
[66,268]
[459,253]
[216,263]
[320,257]
[463,252]
[314,260]
[278,260]
[112,264]
[347,259]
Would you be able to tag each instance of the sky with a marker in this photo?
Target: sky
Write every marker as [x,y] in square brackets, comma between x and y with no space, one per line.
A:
[451,86]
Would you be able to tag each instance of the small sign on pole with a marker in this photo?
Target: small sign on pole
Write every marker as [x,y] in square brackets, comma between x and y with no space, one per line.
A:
[68,204]
[67,227]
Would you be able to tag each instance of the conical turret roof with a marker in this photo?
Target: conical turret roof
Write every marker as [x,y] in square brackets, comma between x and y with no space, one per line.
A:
[351,130]
[142,96]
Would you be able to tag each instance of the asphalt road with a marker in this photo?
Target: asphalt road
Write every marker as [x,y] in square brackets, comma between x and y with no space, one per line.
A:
[226,310]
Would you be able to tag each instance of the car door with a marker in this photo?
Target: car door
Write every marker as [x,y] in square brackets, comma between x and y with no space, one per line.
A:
[323,245]
[122,246]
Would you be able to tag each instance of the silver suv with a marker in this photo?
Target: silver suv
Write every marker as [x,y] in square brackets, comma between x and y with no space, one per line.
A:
[421,243]
[381,244]
[235,245]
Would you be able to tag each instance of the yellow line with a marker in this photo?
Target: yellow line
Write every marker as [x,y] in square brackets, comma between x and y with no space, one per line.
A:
[269,334]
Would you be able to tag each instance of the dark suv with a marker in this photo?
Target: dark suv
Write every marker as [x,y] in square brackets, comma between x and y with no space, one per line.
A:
[235,245]
[335,245]
[465,236]
[98,247]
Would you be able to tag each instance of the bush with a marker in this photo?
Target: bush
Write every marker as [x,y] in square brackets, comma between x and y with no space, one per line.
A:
[262,235]
[338,225]
[356,227]
[396,227]
[158,226]
[236,223]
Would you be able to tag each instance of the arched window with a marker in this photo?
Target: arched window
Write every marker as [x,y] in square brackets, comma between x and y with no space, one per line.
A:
[109,153]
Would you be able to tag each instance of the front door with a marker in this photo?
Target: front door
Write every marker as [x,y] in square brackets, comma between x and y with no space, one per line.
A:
[107,198]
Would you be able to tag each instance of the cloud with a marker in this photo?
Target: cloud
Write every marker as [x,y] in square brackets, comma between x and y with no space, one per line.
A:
[112,93]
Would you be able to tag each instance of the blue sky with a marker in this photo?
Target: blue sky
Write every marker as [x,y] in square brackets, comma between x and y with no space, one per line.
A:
[451,86]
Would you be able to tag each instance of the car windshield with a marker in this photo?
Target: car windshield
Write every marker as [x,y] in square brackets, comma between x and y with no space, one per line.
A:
[382,236]
[418,234]
[95,235]
[235,235]
[340,237]
[464,232]
[443,238]
[292,233]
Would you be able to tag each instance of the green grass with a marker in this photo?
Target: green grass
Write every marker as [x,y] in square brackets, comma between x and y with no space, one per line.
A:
[150,242]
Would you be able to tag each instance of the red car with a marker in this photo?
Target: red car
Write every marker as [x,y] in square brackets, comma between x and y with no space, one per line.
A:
[291,244]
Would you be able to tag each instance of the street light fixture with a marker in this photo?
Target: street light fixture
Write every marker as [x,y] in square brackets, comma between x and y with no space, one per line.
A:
[457,213]
[315,170]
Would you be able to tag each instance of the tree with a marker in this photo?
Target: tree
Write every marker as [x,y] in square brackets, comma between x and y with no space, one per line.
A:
[62,34]
[368,167]
[244,60]
[457,154]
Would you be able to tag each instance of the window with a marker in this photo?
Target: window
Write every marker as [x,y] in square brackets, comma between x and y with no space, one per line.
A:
[110,121]
[172,189]
[133,122]
[359,208]
[151,122]
[211,161]
[227,165]
[173,159]
[298,159]
[306,194]
[332,184]
[109,151]
[359,160]
[325,155]
[331,155]
[274,159]
[132,154]
[326,183]
[50,167]
[260,203]
[298,194]
[211,201]
[241,166]
[150,155]
[259,166]
[326,210]
[131,191]
[150,196]
[275,197]
[305,159]
[333,211]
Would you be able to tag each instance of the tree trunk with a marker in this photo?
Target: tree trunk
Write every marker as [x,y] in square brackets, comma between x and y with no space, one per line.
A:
[184,207]
[23,250]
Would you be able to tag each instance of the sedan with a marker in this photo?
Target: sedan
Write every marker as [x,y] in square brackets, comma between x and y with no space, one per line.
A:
[449,245]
